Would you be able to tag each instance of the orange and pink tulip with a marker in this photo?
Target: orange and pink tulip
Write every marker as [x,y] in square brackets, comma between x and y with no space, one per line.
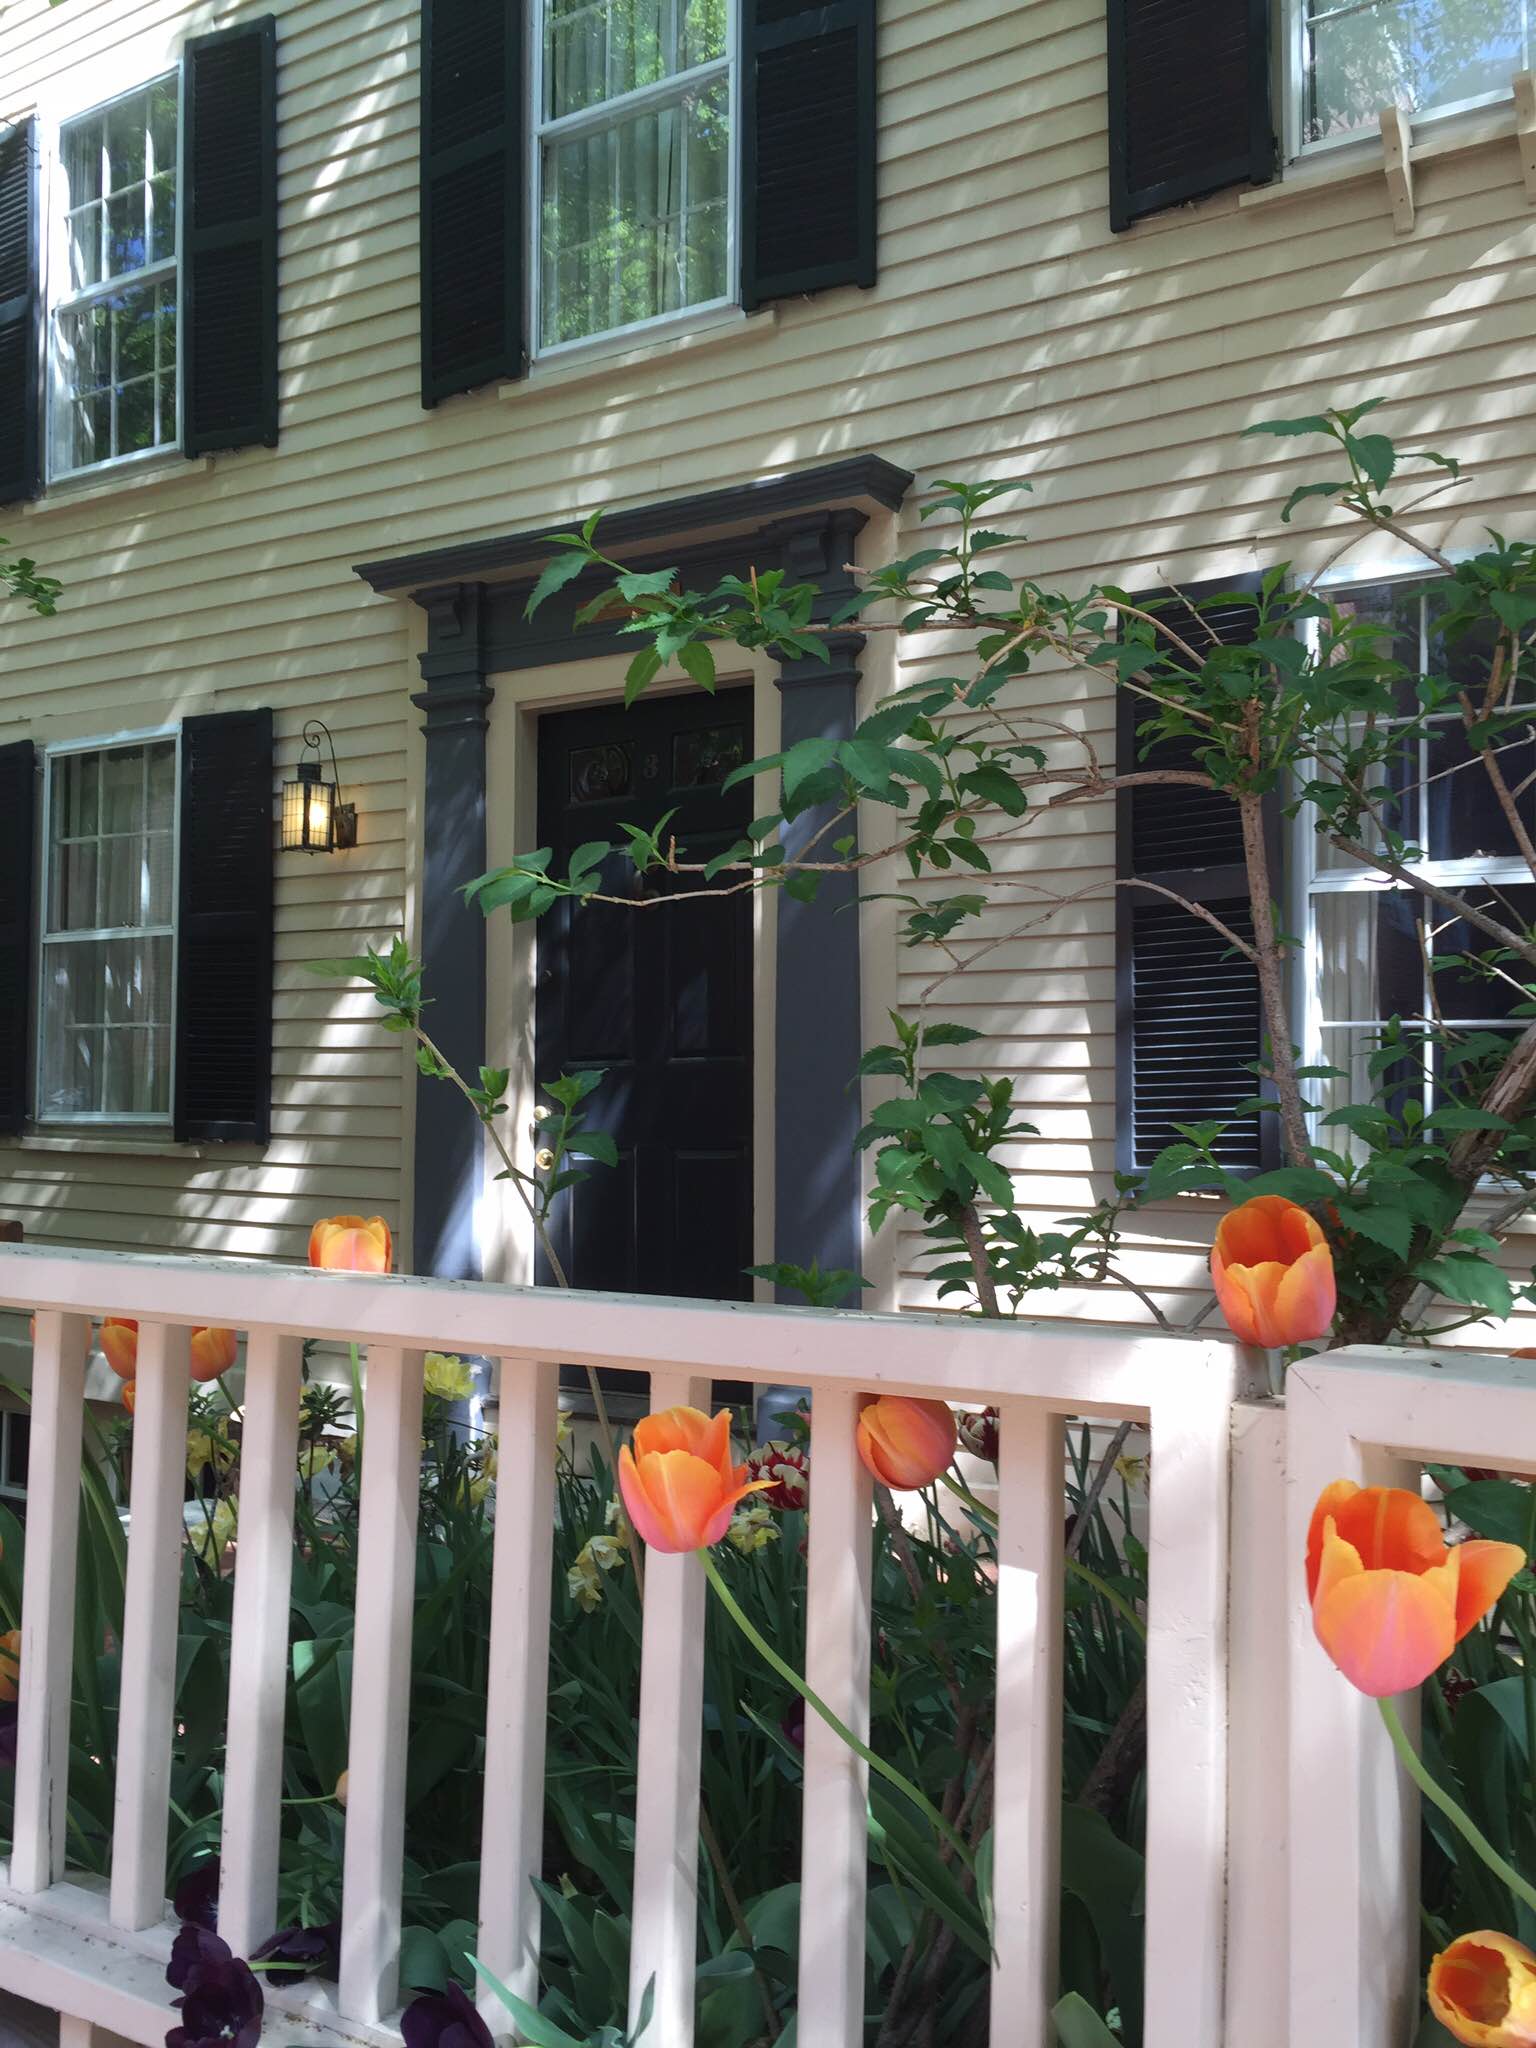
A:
[904,1442]
[213,1352]
[1390,1600]
[119,1341]
[1482,1990]
[1273,1273]
[351,1244]
[678,1482]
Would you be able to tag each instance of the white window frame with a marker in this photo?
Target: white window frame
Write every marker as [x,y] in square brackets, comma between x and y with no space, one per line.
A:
[58,299]
[1307,882]
[99,1119]
[1294,42]
[608,114]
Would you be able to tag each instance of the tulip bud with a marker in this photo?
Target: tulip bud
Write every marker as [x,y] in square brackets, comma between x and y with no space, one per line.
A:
[1482,1990]
[1273,1273]
[905,1443]
[118,1338]
[351,1244]
[340,1794]
[213,1352]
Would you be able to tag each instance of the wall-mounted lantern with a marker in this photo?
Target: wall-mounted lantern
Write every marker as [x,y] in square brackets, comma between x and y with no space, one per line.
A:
[315,820]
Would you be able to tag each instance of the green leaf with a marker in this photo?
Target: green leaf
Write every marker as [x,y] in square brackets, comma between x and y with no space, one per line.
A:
[1312,491]
[1464,1116]
[592,853]
[562,570]
[359,968]
[645,666]
[423,1960]
[992,1178]
[1079,2026]
[805,759]
[994,785]
[1471,1281]
[1496,1508]
[1311,423]
[1376,456]
[1390,1228]
[596,1145]
[697,663]
[535,2028]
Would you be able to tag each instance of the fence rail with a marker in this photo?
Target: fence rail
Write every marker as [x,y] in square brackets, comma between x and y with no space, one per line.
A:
[1218,1952]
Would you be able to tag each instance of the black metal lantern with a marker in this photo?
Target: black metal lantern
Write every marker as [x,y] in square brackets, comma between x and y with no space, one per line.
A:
[315,820]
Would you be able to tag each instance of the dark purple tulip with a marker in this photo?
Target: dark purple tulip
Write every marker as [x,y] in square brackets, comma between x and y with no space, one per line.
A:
[197,1896]
[446,2020]
[194,1948]
[792,1727]
[221,2005]
[297,1952]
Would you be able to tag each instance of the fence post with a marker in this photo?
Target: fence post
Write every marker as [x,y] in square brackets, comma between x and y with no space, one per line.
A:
[664,1926]
[1354,1879]
[1258,1732]
[48,1599]
[1187,1700]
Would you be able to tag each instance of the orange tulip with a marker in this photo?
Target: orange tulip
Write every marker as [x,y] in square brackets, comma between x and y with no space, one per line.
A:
[351,1244]
[904,1442]
[119,1341]
[1389,1601]
[10,1663]
[678,1483]
[130,1394]
[1482,1989]
[213,1352]
[1273,1273]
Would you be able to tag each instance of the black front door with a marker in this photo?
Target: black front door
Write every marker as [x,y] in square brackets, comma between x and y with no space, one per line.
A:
[659,997]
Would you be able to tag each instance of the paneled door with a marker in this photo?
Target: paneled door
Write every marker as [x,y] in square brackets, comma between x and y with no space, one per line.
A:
[659,995]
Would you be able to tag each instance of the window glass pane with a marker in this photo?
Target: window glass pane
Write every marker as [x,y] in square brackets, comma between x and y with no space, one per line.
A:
[127,247]
[1415,54]
[594,50]
[1467,992]
[118,357]
[1369,963]
[162,125]
[1364,1080]
[162,204]
[635,218]
[106,1027]
[126,138]
[18,1436]
[81,151]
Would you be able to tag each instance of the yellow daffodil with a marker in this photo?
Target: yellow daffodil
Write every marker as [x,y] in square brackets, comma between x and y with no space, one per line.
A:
[213,1529]
[598,1555]
[315,1459]
[447,1378]
[752,1529]
[206,1449]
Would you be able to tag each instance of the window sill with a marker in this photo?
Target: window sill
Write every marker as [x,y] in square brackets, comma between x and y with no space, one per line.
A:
[116,1143]
[561,374]
[86,490]
[1306,176]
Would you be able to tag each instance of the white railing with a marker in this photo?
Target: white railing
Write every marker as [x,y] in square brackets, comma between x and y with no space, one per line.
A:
[1218,1950]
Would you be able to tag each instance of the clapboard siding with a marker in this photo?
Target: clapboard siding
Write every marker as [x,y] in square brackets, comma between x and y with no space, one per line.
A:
[1010,334]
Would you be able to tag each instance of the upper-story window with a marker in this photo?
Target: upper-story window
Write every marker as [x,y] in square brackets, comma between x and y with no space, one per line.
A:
[108,933]
[634,201]
[1376,951]
[1425,56]
[114,282]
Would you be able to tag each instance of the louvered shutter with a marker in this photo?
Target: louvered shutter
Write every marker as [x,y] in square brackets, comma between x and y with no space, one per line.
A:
[224,957]
[807,147]
[17,807]
[473,139]
[20,317]
[229,239]
[1189,1024]
[1189,101]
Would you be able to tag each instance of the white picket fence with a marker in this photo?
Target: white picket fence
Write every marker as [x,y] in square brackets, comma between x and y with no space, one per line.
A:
[1262,1761]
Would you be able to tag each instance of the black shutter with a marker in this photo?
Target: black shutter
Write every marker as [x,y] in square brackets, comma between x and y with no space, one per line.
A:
[229,239]
[224,955]
[17,806]
[473,136]
[21,312]
[1188,1019]
[1189,105]
[807,147]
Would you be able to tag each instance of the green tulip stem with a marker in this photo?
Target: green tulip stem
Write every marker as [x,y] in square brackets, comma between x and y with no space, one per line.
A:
[1461,1821]
[357,1403]
[791,1677]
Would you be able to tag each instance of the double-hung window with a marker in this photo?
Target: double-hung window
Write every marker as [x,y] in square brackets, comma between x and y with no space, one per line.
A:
[1353,57]
[1375,950]
[108,932]
[113,266]
[633,164]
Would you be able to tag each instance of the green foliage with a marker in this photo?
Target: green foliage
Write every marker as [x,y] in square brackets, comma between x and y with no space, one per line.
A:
[23,582]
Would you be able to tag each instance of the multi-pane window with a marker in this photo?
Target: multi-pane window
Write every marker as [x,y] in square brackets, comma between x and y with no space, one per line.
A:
[108,933]
[1357,56]
[114,308]
[1375,951]
[633,162]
